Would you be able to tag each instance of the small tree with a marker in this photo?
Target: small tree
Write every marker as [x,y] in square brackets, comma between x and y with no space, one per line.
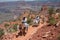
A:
[58,10]
[52,21]
[41,9]
[59,17]
[58,38]
[11,30]
[51,11]
[29,20]
[15,27]
[1,32]
[6,25]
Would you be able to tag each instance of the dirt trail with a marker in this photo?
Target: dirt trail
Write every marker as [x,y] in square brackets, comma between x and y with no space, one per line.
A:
[30,32]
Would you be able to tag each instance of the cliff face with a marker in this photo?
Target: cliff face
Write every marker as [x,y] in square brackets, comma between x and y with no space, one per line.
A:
[46,33]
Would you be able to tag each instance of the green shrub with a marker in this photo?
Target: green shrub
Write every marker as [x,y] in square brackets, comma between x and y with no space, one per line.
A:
[6,25]
[11,30]
[58,10]
[52,21]
[1,32]
[51,11]
[59,16]
[15,27]
[29,20]
[58,38]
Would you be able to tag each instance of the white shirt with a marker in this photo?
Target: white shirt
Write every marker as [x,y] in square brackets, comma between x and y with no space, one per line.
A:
[37,18]
[24,20]
[26,25]
[35,21]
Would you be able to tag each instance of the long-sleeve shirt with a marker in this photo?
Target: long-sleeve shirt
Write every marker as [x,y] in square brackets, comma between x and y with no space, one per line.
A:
[24,21]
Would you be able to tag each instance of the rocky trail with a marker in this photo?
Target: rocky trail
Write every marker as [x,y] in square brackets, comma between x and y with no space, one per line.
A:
[30,32]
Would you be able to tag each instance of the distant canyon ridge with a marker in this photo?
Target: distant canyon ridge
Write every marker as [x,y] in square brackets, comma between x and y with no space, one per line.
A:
[9,9]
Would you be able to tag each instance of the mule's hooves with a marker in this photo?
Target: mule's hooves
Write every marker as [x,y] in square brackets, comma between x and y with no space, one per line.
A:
[35,26]
[48,25]
[20,33]
[17,36]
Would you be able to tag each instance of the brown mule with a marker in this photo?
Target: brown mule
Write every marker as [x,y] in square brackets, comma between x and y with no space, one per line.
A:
[21,30]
